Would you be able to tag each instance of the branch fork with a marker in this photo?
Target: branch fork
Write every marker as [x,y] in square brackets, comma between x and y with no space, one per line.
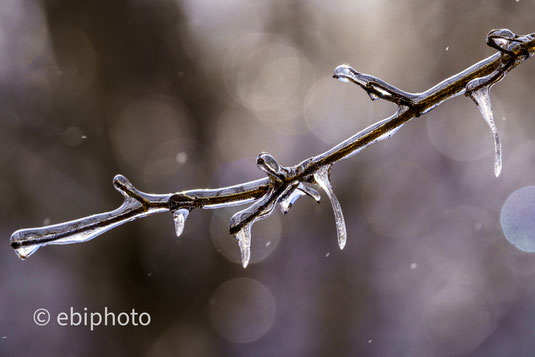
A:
[284,185]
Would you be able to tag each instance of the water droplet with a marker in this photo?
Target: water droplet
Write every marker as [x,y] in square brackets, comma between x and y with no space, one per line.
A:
[179,217]
[322,178]
[268,243]
[414,266]
[327,254]
[482,98]
[46,221]
[244,242]
[447,48]
[370,341]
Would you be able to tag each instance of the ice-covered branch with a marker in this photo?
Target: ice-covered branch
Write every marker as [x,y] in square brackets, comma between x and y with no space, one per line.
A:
[284,185]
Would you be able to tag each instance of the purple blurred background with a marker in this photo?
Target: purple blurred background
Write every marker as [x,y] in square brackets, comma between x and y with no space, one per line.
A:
[184,94]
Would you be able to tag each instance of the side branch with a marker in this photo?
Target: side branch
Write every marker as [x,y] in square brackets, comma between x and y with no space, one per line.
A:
[284,185]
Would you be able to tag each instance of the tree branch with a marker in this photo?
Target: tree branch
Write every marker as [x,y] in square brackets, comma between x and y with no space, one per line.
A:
[284,185]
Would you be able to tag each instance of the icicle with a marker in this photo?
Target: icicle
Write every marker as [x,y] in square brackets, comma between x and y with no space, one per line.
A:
[179,217]
[322,178]
[482,98]
[244,242]
[242,221]
[289,201]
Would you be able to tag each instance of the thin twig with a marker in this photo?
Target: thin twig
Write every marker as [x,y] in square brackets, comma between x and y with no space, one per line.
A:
[281,182]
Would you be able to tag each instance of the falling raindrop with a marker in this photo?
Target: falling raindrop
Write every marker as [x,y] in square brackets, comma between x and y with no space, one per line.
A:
[322,178]
[179,217]
[482,98]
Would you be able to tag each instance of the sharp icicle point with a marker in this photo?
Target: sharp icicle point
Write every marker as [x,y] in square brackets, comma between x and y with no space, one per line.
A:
[482,99]
[322,178]
[179,217]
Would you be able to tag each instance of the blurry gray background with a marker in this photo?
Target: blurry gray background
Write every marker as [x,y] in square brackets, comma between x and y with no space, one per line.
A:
[185,94]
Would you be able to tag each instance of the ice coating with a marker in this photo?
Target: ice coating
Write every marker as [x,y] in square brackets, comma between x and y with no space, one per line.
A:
[26,241]
[265,193]
[322,178]
[342,72]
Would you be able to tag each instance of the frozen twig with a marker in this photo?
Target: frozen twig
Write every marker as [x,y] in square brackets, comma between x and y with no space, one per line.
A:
[284,185]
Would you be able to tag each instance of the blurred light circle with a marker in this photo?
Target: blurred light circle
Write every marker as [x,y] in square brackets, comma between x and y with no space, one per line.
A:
[242,310]
[163,165]
[518,219]
[269,76]
[146,123]
[75,58]
[333,109]
[266,235]
[240,135]
[457,320]
[398,199]
[73,136]
[455,245]
[211,29]
[461,133]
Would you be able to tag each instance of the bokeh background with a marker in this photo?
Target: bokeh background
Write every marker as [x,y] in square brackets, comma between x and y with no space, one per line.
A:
[185,94]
